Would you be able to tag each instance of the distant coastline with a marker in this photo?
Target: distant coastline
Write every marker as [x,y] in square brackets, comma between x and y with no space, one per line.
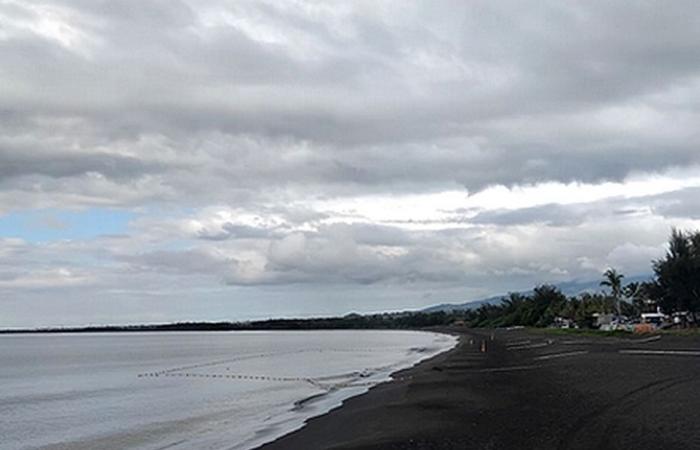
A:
[390,321]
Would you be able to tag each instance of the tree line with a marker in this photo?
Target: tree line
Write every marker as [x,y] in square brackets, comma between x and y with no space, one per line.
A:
[401,320]
[674,287]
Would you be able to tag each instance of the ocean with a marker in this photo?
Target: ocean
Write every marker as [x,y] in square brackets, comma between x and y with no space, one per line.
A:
[208,390]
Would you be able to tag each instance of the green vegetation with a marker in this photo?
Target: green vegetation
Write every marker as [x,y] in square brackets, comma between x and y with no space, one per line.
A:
[695,331]
[542,307]
[677,284]
[674,288]
[581,332]
[613,280]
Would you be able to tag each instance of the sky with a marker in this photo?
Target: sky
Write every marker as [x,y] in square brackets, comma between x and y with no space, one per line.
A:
[166,160]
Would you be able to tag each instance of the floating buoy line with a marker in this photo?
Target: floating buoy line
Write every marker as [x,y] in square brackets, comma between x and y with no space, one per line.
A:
[242,377]
[320,382]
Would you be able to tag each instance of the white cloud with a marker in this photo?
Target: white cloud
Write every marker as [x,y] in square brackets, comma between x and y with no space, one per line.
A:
[43,279]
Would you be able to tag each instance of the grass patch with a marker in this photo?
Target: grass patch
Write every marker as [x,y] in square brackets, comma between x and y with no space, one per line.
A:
[682,332]
[581,332]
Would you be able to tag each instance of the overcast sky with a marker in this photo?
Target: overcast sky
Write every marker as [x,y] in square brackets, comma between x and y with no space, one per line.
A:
[168,160]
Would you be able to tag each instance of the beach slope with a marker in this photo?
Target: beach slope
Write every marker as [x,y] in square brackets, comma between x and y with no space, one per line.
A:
[524,389]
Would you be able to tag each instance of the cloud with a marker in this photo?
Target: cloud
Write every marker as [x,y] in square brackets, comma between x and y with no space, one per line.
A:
[682,204]
[44,279]
[552,214]
[345,97]
[344,151]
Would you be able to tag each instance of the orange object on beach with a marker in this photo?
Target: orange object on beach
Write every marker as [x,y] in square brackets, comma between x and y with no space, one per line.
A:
[643,328]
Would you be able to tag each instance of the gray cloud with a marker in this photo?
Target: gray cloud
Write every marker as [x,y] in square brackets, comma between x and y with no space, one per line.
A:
[375,98]
[234,231]
[278,113]
[552,214]
[16,162]
[683,204]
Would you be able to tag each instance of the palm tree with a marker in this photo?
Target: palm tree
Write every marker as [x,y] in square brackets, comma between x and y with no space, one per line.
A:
[613,280]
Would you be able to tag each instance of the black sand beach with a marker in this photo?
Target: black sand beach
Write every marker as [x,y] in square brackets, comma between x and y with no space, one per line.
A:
[527,390]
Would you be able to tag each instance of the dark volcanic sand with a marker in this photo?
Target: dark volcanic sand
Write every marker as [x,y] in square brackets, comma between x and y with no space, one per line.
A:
[591,397]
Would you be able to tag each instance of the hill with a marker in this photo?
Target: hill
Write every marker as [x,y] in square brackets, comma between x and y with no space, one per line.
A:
[570,288]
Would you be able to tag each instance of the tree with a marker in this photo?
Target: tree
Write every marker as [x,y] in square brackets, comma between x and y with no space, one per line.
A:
[547,302]
[641,295]
[513,307]
[678,273]
[613,280]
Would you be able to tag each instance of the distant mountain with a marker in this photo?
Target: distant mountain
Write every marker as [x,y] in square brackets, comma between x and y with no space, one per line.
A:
[449,307]
[570,288]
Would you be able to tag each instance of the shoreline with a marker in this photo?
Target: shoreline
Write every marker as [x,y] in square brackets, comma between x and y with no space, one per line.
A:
[395,377]
[398,376]
[551,393]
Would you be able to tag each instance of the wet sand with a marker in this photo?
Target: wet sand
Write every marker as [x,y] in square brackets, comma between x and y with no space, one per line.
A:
[527,390]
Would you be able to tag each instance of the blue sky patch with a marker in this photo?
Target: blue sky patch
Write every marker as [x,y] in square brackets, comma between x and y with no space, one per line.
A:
[54,224]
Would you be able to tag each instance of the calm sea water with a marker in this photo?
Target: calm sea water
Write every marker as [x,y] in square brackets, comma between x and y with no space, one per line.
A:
[232,390]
